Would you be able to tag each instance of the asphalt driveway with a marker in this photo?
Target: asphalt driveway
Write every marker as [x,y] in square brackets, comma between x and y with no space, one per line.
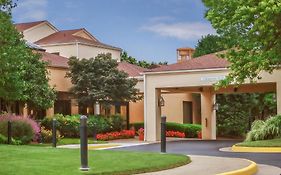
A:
[209,148]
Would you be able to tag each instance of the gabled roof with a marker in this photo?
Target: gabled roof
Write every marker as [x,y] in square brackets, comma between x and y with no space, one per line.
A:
[25,26]
[54,60]
[69,36]
[131,69]
[209,61]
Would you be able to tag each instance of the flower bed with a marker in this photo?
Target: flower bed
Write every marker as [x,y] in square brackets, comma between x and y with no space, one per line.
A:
[175,134]
[124,134]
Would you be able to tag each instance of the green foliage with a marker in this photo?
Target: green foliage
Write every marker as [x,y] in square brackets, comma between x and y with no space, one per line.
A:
[69,125]
[264,130]
[237,111]
[129,59]
[252,31]
[23,75]
[3,139]
[137,125]
[116,122]
[47,136]
[21,131]
[99,80]
[209,44]
[190,130]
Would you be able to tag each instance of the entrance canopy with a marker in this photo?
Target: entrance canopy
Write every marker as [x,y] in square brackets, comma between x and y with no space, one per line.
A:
[197,75]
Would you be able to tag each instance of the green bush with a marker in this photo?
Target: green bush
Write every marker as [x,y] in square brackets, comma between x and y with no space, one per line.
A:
[190,130]
[3,139]
[137,125]
[21,131]
[116,122]
[69,125]
[101,123]
[264,130]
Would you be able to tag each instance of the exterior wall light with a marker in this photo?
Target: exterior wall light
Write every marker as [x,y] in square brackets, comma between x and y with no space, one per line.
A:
[216,106]
[161,101]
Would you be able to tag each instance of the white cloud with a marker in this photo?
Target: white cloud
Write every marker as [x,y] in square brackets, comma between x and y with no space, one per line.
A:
[180,30]
[31,10]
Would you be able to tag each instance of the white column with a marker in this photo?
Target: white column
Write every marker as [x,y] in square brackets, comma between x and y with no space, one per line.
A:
[278,97]
[25,110]
[97,108]
[208,115]
[152,115]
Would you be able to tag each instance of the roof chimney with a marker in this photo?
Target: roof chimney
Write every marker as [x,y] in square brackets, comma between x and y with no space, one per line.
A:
[184,54]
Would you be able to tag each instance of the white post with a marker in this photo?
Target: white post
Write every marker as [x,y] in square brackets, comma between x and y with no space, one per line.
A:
[97,108]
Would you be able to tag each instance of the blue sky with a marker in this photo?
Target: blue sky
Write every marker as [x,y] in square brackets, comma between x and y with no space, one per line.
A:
[149,30]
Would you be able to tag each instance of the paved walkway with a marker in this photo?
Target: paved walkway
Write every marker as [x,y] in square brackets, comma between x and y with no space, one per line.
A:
[210,148]
[206,165]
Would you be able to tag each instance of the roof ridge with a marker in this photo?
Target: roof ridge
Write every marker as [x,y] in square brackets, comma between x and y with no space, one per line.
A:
[31,22]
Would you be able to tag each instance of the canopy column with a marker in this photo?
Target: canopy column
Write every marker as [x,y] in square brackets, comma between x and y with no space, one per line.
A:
[208,118]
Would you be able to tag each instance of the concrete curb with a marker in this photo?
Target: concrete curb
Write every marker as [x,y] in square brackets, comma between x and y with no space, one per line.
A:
[249,170]
[235,148]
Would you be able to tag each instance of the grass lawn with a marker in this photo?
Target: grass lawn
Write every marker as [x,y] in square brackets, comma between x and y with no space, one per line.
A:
[69,141]
[33,160]
[262,143]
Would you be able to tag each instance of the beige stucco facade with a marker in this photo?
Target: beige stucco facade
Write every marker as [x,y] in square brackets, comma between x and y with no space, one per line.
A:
[80,50]
[196,81]
[38,32]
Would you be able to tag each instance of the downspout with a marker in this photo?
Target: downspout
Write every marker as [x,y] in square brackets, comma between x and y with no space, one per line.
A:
[77,50]
[145,114]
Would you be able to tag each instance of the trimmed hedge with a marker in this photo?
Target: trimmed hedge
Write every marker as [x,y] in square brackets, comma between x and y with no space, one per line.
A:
[69,125]
[190,130]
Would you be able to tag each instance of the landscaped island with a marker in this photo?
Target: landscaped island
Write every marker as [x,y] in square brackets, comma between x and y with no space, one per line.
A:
[33,160]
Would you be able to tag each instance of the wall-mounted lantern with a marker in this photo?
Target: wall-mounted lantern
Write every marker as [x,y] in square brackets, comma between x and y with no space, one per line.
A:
[161,101]
[216,106]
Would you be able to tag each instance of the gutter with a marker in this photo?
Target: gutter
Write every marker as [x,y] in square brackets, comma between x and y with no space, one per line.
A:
[184,71]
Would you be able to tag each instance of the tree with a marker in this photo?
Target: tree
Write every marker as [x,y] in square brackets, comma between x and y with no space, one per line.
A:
[23,75]
[252,31]
[125,57]
[209,44]
[99,80]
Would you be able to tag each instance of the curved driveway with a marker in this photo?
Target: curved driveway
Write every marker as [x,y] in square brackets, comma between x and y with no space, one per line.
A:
[209,148]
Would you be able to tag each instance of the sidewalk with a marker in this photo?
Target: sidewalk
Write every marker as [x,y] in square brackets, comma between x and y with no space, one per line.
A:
[206,165]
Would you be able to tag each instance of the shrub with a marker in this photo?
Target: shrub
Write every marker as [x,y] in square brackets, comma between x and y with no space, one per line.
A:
[69,125]
[47,135]
[137,126]
[116,122]
[101,123]
[263,130]
[23,129]
[3,139]
[190,130]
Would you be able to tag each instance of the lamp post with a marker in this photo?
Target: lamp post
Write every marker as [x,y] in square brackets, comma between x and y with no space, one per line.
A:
[54,133]
[163,134]
[84,144]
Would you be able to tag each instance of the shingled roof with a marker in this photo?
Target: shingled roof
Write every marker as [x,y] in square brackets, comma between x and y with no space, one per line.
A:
[24,26]
[61,62]
[210,61]
[68,36]
[131,69]
[54,60]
